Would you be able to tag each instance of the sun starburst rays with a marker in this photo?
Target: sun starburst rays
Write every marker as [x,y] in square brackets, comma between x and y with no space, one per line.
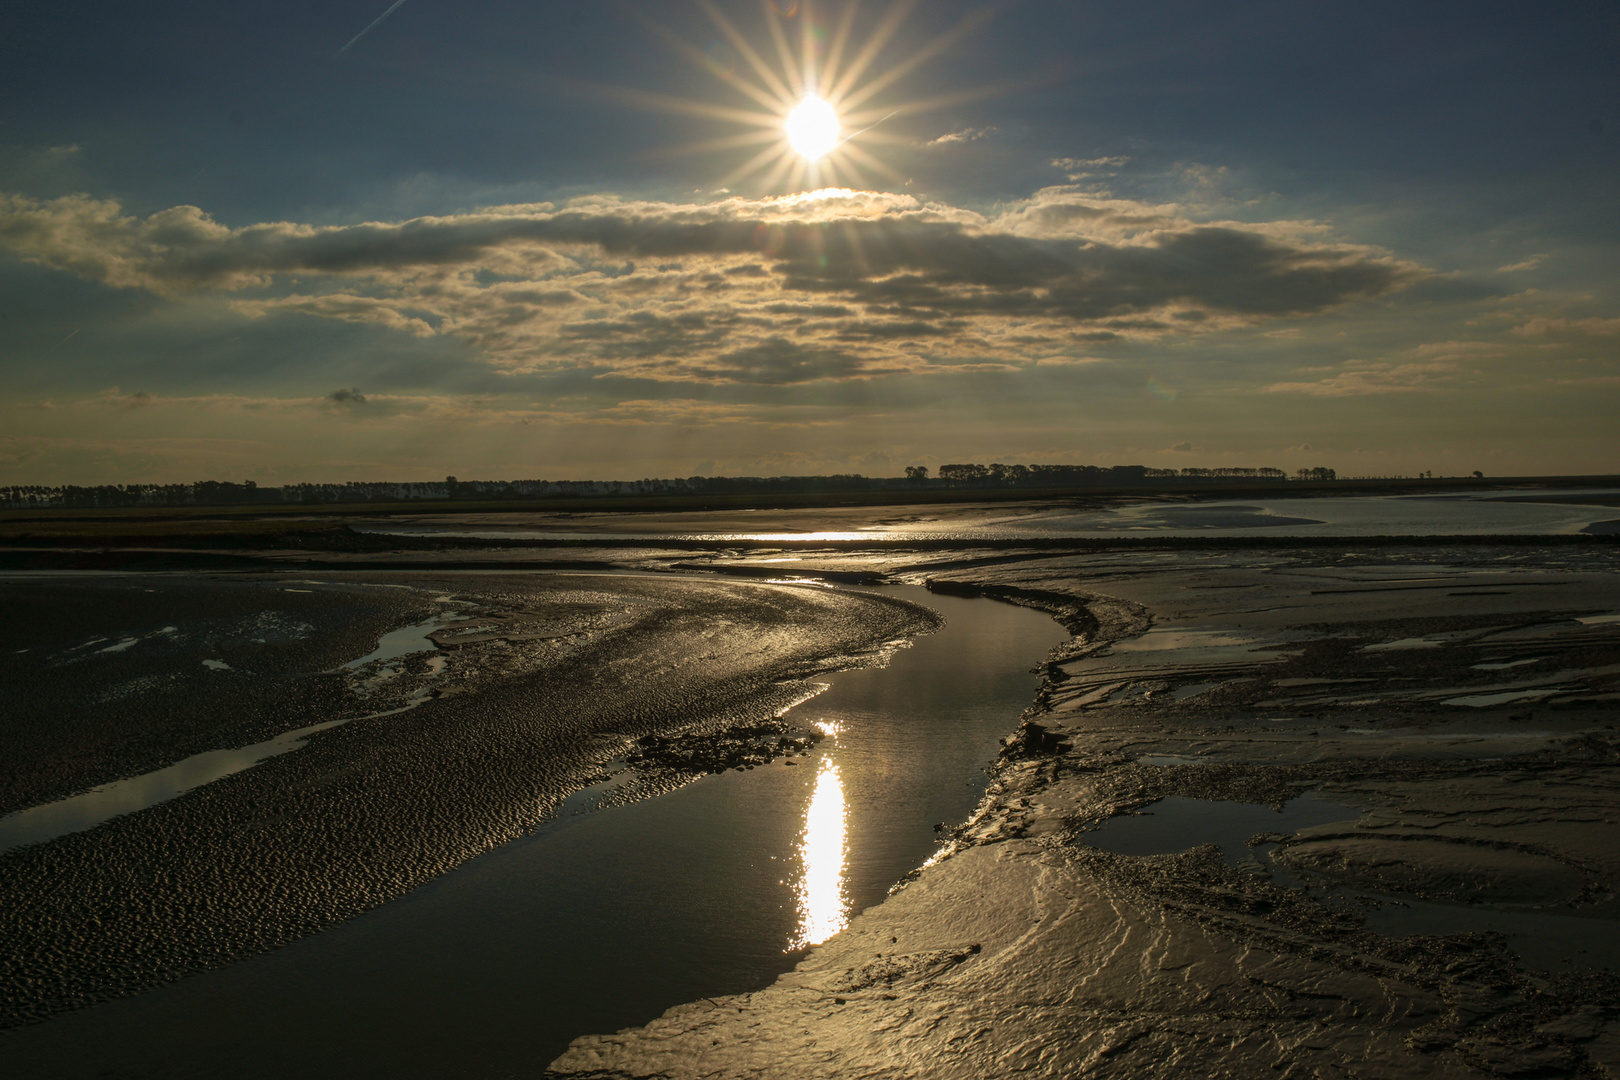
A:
[808,107]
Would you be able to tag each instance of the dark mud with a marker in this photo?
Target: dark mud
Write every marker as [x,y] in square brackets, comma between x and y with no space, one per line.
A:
[741,747]
[105,678]
[546,679]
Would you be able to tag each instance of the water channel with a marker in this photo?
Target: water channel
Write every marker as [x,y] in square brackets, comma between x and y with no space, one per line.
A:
[602,920]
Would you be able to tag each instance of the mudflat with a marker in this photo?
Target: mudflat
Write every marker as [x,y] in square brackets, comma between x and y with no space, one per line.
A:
[1334,809]
[538,680]
[1383,793]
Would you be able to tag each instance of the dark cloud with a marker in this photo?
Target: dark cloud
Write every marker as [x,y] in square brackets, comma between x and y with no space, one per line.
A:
[350,398]
[537,286]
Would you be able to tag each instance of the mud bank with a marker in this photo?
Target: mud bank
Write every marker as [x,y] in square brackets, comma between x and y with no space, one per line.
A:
[1458,919]
[535,682]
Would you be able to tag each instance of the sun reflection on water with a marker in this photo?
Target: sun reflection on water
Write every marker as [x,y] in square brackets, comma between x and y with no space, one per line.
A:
[823,898]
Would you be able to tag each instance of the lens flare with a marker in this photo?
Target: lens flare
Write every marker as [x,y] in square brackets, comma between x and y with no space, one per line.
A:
[810,107]
[812,128]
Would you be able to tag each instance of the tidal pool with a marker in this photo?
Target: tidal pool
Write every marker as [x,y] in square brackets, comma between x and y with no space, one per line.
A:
[601,920]
[1176,823]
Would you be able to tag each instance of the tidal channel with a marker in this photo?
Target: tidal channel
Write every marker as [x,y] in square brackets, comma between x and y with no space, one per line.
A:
[602,920]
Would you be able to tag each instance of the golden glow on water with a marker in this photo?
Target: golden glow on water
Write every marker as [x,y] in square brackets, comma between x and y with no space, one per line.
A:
[823,897]
[778,537]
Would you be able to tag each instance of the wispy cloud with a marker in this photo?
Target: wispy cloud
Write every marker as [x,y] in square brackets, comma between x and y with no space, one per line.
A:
[1085,168]
[1528,264]
[1593,327]
[1361,378]
[966,135]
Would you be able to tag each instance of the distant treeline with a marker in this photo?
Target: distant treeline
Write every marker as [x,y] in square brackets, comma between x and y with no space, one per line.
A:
[225,493]
[998,475]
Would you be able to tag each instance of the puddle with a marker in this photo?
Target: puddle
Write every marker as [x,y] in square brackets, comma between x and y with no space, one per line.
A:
[129,642]
[217,665]
[1481,701]
[1402,644]
[1177,823]
[1473,736]
[1503,665]
[71,815]
[1158,640]
[1598,620]
[407,640]
[1195,647]
[1544,942]
[1182,693]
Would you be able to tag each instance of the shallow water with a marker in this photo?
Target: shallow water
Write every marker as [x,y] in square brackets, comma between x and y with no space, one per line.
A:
[1544,941]
[1191,646]
[602,920]
[1472,513]
[1177,823]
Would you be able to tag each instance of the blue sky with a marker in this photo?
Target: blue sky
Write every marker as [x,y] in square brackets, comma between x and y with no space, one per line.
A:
[506,240]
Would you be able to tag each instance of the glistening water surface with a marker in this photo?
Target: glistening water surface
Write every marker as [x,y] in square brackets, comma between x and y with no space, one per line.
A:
[1448,514]
[603,920]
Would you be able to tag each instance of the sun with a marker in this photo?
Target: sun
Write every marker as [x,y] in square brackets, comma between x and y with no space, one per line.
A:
[812,127]
[801,108]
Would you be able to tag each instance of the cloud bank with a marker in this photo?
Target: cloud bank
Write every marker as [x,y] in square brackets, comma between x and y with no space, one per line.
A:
[834,285]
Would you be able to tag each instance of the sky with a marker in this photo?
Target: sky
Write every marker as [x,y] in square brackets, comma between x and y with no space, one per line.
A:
[356,240]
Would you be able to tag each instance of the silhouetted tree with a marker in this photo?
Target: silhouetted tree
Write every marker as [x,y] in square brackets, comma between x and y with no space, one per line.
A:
[962,475]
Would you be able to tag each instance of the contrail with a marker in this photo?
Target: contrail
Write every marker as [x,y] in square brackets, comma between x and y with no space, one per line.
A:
[63,342]
[391,9]
[852,134]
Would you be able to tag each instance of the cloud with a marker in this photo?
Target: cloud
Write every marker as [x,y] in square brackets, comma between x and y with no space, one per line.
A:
[1538,327]
[1361,378]
[690,412]
[1429,366]
[966,135]
[1529,264]
[1183,448]
[827,286]
[118,399]
[343,306]
[237,408]
[1080,168]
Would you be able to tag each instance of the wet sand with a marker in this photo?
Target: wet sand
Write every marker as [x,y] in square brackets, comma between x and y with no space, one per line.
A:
[1449,706]
[544,678]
